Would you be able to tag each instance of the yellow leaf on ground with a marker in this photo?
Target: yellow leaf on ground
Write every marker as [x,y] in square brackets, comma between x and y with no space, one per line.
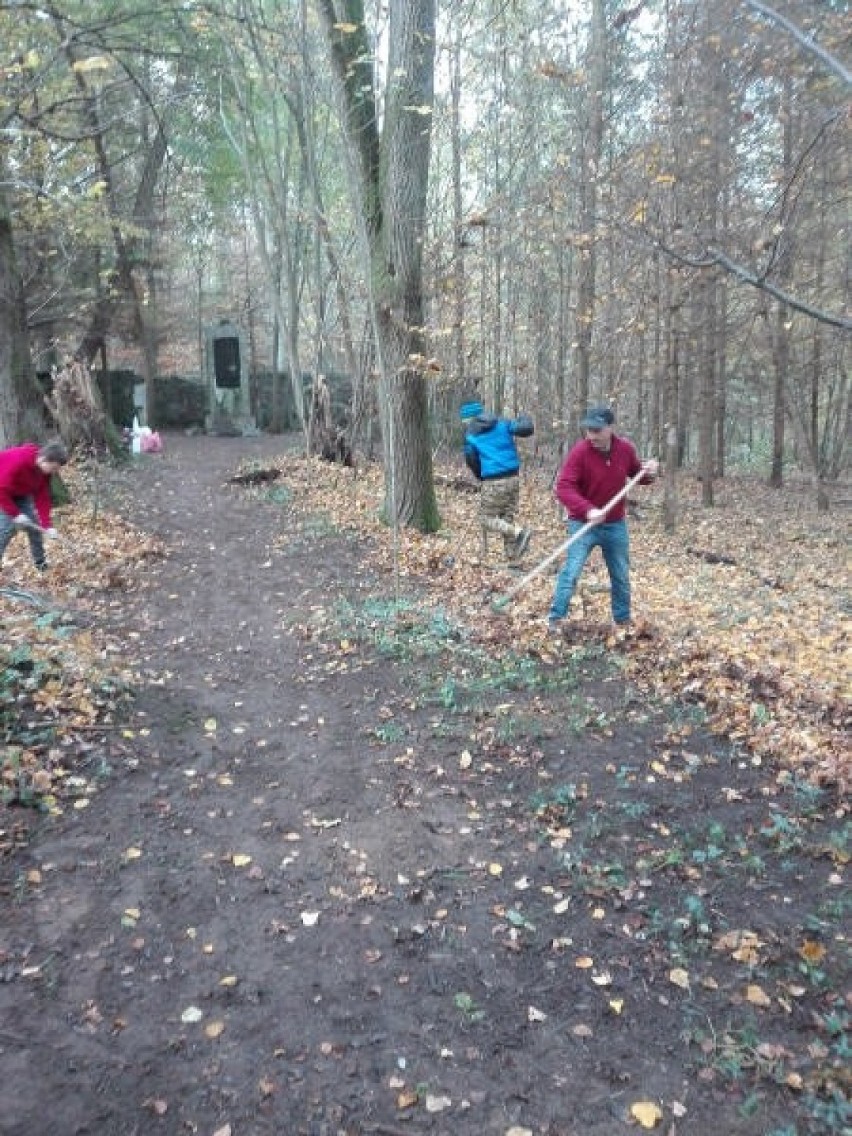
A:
[647,1113]
[757,996]
[240,859]
[679,977]
[811,951]
[584,963]
[214,1029]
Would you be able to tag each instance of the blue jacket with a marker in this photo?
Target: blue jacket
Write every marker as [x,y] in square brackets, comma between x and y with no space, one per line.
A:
[489,445]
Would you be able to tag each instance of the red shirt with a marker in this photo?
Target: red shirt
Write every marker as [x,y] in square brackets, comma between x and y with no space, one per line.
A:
[20,476]
[589,479]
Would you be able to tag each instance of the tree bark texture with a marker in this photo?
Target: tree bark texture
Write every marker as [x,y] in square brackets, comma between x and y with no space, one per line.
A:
[393,174]
[21,412]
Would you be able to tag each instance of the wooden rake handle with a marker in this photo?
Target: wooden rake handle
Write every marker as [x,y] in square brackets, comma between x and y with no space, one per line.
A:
[539,568]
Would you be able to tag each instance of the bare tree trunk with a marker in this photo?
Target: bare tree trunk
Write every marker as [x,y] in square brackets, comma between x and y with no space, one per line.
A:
[590,166]
[21,412]
[780,379]
[722,377]
[783,316]
[671,399]
[458,297]
[392,181]
[707,415]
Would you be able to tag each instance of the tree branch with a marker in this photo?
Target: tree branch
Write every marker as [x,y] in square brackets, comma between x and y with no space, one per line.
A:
[805,40]
[717,259]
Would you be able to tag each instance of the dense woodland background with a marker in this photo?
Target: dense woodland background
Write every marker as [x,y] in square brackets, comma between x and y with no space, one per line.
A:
[540,202]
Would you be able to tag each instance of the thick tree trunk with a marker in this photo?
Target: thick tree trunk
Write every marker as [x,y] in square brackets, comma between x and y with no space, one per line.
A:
[393,173]
[21,410]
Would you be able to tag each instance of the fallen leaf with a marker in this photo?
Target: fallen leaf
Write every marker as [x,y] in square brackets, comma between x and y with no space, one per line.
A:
[647,1113]
[240,859]
[214,1029]
[757,996]
[679,977]
[812,952]
[437,1104]
[407,1099]
[616,1005]
[584,962]
[210,725]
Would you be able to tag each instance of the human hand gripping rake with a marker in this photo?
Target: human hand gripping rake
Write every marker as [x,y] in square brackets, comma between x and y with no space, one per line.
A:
[22,521]
[502,601]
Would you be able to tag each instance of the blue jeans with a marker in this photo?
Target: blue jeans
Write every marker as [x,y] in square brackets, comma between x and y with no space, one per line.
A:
[613,542]
[25,505]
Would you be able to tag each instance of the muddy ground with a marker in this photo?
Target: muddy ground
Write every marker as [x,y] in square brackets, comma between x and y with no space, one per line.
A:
[347,873]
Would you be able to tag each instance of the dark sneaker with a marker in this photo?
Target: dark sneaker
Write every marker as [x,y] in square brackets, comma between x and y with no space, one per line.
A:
[522,543]
[41,565]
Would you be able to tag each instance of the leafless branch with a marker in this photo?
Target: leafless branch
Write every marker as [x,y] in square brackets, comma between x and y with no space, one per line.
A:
[804,39]
[716,258]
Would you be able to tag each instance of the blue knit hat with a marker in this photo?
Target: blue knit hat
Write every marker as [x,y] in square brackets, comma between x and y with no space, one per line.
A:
[470,410]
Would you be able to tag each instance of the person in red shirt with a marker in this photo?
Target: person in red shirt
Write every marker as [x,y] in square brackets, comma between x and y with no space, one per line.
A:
[25,473]
[595,470]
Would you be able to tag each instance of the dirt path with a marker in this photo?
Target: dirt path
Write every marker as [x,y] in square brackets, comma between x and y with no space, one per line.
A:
[310,900]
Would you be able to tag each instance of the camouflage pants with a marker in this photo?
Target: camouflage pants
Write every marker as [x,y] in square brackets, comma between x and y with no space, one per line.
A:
[498,504]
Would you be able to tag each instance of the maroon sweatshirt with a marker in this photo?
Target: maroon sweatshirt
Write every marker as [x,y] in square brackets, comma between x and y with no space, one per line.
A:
[589,479]
[21,477]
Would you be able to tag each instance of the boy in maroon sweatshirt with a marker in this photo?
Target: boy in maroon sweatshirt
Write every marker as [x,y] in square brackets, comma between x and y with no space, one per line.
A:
[25,473]
[594,472]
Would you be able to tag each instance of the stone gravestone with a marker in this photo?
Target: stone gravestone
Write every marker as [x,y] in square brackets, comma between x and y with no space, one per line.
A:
[226,363]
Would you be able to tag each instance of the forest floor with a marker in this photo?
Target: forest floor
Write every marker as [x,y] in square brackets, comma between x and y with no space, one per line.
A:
[303,836]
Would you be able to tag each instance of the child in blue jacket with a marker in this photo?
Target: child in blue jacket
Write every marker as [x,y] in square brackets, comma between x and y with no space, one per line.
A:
[492,456]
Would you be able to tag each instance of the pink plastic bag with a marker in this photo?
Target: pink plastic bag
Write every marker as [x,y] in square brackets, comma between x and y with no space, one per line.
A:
[151,443]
